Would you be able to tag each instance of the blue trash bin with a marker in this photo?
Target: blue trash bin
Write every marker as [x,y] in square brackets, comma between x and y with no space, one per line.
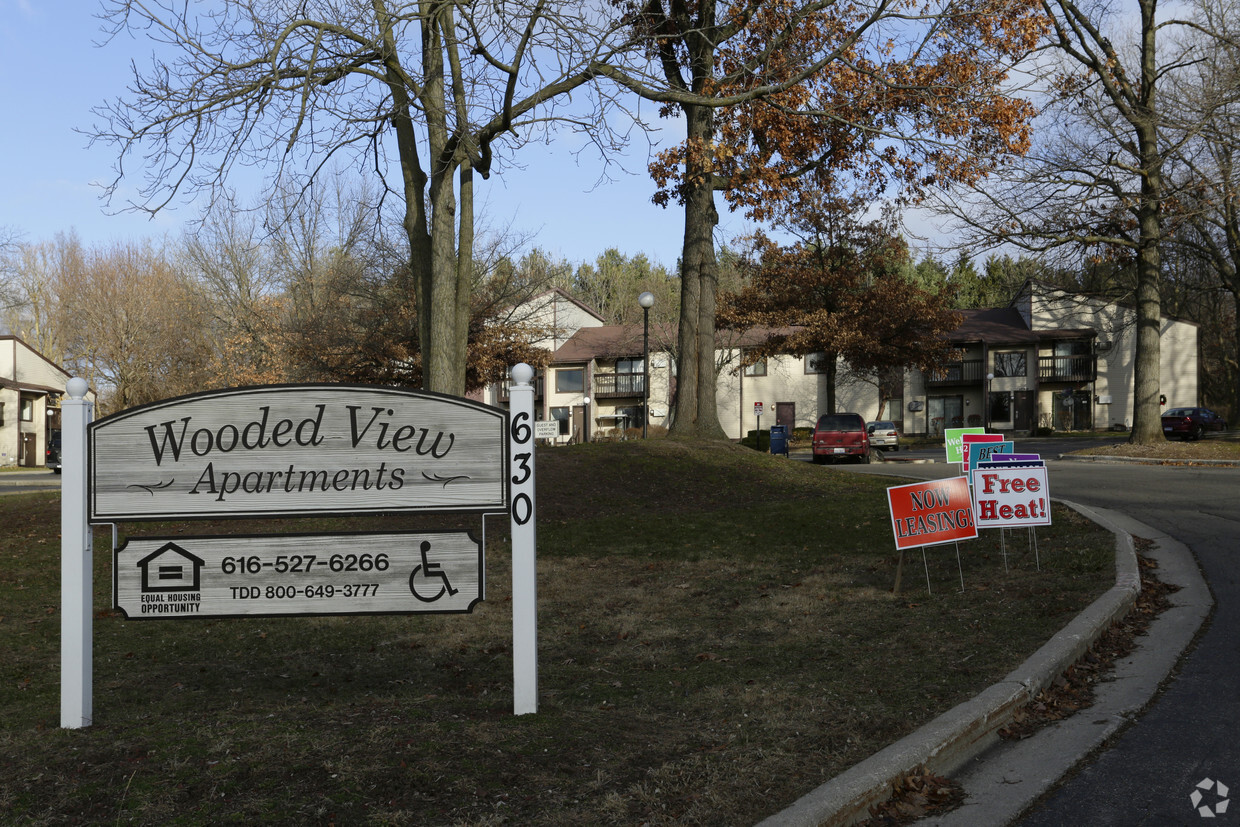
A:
[779,439]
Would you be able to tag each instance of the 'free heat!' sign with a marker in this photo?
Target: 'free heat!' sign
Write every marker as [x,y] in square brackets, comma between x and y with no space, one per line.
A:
[1011,497]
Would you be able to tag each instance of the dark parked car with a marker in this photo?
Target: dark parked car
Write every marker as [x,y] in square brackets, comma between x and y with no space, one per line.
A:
[1191,423]
[53,451]
[883,435]
[841,435]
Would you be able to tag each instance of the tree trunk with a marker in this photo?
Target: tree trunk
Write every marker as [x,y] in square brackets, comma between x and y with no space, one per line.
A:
[831,369]
[414,179]
[1146,418]
[1235,356]
[1146,415]
[697,413]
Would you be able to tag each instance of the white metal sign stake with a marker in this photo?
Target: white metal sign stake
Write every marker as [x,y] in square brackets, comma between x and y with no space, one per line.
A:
[76,563]
[524,557]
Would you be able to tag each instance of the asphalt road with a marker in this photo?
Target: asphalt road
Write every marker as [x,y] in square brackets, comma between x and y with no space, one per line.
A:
[1189,734]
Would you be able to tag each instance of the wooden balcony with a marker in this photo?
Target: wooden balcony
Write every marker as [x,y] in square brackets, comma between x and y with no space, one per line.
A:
[966,372]
[1067,368]
[610,385]
[505,396]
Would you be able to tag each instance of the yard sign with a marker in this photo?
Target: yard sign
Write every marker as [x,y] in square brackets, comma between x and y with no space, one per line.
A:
[952,441]
[931,513]
[1011,495]
[982,452]
[969,440]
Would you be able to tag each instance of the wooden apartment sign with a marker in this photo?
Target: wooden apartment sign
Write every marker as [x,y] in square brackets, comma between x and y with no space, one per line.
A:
[287,450]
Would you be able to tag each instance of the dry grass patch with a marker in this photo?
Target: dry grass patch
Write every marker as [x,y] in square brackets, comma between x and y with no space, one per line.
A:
[717,637]
[1213,447]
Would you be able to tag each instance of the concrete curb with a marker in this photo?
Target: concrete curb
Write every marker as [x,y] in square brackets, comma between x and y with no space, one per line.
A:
[38,477]
[954,738]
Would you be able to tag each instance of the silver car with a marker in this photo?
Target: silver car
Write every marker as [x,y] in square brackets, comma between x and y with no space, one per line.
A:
[883,434]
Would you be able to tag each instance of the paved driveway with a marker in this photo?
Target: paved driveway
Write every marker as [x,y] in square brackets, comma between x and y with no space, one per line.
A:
[1191,732]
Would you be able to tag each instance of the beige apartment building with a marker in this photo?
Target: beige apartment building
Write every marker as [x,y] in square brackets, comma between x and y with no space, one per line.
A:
[1051,359]
[30,389]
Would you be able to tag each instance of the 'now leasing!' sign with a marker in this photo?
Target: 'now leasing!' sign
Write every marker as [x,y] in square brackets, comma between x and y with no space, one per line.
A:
[931,513]
[298,449]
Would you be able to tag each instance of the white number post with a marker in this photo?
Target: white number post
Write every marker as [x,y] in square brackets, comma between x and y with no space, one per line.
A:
[524,557]
[76,563]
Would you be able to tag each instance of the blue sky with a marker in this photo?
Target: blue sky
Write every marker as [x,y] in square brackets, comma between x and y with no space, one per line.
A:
[54,74]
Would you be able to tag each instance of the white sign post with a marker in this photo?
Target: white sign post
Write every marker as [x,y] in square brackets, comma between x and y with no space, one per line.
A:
[524,546]
[76,562]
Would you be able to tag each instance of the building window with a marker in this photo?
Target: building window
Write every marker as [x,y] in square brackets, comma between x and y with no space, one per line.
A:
[570,380]
[1010,363]
[26,412]
[632,417]
[758,368]
[562,415]
[1,413]
[629,366]
[816,363]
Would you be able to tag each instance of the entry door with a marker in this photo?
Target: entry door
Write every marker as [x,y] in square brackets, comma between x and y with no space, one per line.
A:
[1024,408]
[29,454]
[786,414]
[579,424]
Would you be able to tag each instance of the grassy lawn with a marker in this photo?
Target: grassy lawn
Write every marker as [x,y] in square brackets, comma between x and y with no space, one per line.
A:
[717,631]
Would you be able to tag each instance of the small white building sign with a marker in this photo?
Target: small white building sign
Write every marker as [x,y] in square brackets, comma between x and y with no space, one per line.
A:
[298,449]
[298,574]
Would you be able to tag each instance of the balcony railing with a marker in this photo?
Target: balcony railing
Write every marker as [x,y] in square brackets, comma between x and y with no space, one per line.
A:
[966,372]
[504,395]
[1067,368]
[619,384]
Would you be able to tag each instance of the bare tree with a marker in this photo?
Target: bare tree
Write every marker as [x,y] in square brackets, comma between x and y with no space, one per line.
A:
[35,276]
[1096,184]
[1205,112]
[140,330]
[421,94]
[229,259]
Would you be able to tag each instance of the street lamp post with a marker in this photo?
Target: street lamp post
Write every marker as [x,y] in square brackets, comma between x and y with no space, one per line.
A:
[646,300]
[990,377]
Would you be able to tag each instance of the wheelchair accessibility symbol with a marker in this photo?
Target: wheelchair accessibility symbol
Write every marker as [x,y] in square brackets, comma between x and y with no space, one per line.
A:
[428,581]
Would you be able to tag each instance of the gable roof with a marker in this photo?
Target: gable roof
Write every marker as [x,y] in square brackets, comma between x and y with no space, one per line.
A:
[557,292]
[607,341]
[13,383]
[619,340]
[992,325]
[1005,326]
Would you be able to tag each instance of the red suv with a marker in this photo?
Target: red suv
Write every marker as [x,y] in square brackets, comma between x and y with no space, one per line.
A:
[841,435]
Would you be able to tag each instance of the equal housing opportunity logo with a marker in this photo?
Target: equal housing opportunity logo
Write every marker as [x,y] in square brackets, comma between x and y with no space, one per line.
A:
[1210,798]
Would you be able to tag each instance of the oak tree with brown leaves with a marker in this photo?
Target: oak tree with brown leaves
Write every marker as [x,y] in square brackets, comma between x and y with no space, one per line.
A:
[840,292]
[861,97]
